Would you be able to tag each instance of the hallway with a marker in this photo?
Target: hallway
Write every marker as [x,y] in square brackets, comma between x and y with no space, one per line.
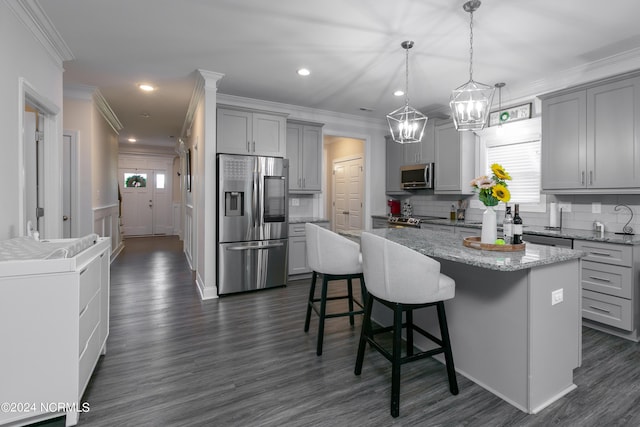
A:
[244,360]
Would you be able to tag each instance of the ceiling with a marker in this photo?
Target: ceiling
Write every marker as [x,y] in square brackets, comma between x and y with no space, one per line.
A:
[352,48]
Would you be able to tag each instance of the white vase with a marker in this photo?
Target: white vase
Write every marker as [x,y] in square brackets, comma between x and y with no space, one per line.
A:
[489,226]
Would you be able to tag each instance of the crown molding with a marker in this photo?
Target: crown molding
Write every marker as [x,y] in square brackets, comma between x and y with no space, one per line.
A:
[106,111]
[38,23]
[203,78]
[296,112]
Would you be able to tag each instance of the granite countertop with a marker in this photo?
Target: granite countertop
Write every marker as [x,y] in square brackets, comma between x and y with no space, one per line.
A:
[567,233]
[304,219]
[444,245]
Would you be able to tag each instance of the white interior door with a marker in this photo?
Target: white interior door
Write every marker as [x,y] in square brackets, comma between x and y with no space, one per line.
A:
[68,171]
[137,201]
[30,171]
[347,194]
[34,170]
[162,222]
[146,202]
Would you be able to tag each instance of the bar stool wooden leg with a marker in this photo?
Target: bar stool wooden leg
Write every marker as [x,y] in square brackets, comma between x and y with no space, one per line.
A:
[312,292]
[446,344]
[323,312]
[350,295]
[409,326]
[366,332]
[396,362]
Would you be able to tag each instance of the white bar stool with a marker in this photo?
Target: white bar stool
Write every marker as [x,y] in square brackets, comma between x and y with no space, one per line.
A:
[336,258]
[403,280]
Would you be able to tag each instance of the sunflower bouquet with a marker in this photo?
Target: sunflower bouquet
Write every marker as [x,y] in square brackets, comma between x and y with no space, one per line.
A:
[492,190]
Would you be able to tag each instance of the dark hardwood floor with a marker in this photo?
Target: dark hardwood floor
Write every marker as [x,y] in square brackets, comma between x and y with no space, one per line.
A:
[244,360]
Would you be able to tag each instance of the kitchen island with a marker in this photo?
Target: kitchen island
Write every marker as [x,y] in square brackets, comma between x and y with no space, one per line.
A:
[515,321]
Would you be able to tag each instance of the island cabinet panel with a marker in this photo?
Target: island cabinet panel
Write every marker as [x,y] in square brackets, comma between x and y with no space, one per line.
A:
[591,139]
[454,160]
[507,334]
[304,151]
[609,289]
[498,345]
[250,132]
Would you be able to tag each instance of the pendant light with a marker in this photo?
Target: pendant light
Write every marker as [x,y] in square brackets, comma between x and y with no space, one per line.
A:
[471,102]
[406,123]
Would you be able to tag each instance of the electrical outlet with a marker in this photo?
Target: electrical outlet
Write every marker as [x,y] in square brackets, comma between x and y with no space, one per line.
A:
[557,296]
[566,207]
[295,202]
[596,207]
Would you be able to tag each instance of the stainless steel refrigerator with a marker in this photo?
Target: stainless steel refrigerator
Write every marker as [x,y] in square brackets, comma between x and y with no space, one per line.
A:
[252,225]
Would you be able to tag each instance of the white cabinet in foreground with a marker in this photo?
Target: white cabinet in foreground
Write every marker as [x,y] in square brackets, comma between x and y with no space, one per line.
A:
[55,317]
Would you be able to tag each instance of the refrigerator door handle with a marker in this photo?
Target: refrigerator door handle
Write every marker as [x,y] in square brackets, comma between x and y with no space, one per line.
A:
[250,247]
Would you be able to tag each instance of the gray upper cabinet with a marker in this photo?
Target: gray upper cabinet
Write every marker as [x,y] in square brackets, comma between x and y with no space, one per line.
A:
[250,132]
[454,160]
[589,138]
[423,151]
[395,159]
[304,151]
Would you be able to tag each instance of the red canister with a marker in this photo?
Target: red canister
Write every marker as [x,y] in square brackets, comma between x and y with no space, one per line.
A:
[394,206]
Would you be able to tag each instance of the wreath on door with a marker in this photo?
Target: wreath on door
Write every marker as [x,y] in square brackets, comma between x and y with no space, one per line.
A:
[136,181]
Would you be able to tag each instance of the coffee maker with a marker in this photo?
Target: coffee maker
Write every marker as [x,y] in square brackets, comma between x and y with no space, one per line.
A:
[394,207]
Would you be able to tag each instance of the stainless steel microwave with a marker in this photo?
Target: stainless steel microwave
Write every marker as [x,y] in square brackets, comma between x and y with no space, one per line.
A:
[416,177]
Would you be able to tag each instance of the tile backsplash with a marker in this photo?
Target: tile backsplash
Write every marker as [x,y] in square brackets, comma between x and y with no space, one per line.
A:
[581,214]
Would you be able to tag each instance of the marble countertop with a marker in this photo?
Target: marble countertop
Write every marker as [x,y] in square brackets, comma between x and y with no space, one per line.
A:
[447,246]
[568,233]
[304,219]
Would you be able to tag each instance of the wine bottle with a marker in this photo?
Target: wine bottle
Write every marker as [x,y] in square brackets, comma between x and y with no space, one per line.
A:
[507,226]
[517,226]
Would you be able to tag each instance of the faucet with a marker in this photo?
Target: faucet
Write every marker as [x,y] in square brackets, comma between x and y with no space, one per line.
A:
[626,229]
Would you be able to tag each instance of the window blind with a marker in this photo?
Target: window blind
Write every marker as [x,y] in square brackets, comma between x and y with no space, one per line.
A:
[522,161]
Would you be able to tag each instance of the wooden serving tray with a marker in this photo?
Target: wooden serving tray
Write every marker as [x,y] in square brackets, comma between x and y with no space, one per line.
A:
[474,242]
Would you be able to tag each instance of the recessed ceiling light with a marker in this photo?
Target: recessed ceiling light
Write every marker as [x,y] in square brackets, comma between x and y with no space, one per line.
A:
[145,115]
[303,72]
[131,140]
[398,93]
[146,87]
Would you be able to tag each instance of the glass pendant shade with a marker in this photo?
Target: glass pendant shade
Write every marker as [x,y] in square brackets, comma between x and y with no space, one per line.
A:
[407,125]
[470,105]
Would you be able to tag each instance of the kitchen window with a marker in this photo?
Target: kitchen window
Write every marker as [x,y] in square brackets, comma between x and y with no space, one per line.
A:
[517,148]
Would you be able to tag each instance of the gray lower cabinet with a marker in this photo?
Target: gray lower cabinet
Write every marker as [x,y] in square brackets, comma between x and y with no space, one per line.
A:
[378,222]
[590,138]
[298,248]
[609,291]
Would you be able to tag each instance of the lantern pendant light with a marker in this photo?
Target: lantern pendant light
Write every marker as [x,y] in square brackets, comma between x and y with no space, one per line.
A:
[471,102]
[406,123]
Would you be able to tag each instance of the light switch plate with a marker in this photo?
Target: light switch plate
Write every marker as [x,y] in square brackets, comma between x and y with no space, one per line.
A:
[596,207]
[557,296]
[295,202]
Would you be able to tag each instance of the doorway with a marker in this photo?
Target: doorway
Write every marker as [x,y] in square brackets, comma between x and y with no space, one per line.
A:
[347,194]
[146,202]
[345,185]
